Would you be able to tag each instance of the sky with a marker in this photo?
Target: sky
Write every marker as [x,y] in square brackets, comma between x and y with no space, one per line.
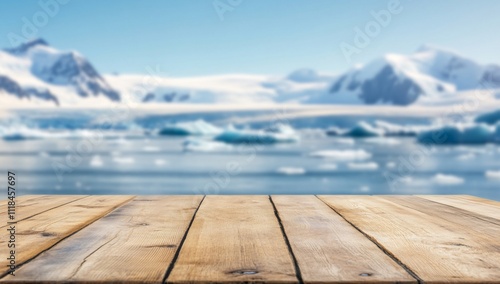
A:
[275,37]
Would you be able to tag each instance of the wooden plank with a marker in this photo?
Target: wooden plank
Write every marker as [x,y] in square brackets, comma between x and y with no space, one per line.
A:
[40,232]
[234,238]
[477,208]
[330,250]
[23,198]
[36,204]
[435,249]
[478,200]
[135,243]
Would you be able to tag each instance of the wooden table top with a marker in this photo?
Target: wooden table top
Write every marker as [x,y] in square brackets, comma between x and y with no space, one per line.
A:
[252,238]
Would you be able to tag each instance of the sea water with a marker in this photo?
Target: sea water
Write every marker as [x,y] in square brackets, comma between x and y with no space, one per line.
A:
[316,164]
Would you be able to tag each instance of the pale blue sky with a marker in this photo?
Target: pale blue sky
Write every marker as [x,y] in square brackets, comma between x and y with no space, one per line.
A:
[186,38]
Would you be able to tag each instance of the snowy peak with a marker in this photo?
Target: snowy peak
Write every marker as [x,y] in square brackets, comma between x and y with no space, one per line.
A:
[39,72]
[402,79]
[23,48]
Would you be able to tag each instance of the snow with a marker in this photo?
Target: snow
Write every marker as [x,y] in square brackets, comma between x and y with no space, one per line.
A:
[32,69]
[437,76]
[342,155]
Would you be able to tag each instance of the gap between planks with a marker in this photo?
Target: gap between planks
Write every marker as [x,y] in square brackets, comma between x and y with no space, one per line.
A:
[485,215]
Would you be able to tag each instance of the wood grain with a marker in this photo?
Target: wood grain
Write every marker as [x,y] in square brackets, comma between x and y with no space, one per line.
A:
[470,209]
[21,198]
[234,239]
[474,206]
[478,200]
[40,232]
[35,204]
[320,238]
[134,243]
[434,248]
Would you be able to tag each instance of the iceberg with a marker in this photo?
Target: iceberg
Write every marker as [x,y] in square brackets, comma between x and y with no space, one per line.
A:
[364,130]
[334,131]
[280,134]
[198,127]
[391,129]
[475,134]
[489,118]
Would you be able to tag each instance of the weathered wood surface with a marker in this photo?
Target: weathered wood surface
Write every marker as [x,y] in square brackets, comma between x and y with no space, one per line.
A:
[321,238]
[30,206]
[426,238]
[277,239]
[234,238]
[133,243]
[40,232]
[479,206]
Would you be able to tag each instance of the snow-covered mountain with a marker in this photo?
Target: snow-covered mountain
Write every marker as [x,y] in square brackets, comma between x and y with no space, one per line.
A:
[36,73]
[298,87]
[428,74]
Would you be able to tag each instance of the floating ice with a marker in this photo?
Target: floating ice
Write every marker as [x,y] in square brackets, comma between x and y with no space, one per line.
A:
[489,118]
[370,166]
[467,156]
[328,167]
[391,129]
[44,154]
[443,179]
[492,175]
[363,130]
[282,134]
[150,149]
[347,141]
[200,145]
[334,131]
[198,127]
[474,134]
[291,171]
[382,141]
[96,162]
[342,155]
[124,160]
[160,162]
[16,132]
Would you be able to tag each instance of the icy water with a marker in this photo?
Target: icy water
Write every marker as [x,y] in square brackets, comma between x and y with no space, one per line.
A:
[160,165]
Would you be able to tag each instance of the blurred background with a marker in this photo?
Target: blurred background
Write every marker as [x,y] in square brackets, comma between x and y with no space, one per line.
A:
[251,97]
